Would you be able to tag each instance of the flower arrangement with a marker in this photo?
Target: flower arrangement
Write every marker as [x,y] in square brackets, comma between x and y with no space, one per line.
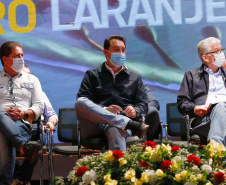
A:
[152,164]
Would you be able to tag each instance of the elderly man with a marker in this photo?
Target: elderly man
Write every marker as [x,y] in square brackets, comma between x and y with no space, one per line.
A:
[21,102]
[109,91]
[203,94]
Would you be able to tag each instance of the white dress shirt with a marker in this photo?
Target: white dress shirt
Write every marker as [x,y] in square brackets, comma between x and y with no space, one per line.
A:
[23,91]
[217,90]
[48,109]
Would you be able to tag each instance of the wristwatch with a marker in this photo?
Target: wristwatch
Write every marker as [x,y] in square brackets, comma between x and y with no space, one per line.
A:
[25,115]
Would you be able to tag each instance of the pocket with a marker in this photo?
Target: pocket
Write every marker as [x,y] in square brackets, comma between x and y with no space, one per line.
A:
[27,89]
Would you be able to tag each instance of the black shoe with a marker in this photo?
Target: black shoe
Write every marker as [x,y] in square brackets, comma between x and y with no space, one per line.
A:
[142,131]
[32,151]
[137,127]
[195,139]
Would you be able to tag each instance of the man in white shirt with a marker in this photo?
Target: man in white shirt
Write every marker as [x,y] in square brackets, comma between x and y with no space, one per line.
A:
[23,173]
[203,92]
[21,102]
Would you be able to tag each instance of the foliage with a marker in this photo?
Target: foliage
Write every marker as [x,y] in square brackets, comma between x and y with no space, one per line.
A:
[150,164]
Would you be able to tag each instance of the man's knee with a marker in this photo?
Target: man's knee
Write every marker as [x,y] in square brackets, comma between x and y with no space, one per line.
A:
[80,101]
[152,116]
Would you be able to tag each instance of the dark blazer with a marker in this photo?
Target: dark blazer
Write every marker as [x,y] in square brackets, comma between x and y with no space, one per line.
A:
[194,90]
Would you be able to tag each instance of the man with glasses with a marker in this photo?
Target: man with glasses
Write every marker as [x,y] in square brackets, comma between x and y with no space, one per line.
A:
[202,94]
[21,102]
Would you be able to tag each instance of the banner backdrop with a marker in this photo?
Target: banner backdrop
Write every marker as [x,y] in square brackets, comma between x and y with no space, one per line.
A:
[63,38]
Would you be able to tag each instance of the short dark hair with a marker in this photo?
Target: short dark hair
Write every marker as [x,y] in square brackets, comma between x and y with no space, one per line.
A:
[107,41]
[6,49]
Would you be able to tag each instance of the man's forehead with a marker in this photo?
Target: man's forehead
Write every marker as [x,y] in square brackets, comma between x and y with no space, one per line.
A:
[117,43]
[17,49]
[216,45]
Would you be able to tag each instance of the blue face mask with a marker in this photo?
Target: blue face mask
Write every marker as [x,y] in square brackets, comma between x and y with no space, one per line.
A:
[118,59]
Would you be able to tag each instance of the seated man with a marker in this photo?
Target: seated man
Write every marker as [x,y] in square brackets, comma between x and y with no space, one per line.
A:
[205,86]
[107,91]
[21,102]
[24,172]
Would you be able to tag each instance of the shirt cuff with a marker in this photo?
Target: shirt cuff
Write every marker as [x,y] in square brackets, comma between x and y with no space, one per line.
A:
[38,112]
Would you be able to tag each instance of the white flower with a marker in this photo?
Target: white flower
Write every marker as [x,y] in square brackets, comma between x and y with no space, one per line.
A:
[195,169]
[189,183]
[209,183]
[152,176]
[177,159]
[89,176]
[207,168]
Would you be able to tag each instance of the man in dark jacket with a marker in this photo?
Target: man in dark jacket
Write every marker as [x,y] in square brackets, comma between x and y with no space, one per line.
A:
[203,94]
[109,91]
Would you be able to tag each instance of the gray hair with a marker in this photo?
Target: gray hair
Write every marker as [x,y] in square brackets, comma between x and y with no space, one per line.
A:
[204,46]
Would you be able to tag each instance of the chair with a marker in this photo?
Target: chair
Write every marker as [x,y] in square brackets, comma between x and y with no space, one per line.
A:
[177,125]
[69,131]
[39,135]
[102,143]
[46,149]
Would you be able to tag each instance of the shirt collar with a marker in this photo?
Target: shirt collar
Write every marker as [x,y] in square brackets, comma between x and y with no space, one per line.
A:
[210,71]
[6,74]
[112,70]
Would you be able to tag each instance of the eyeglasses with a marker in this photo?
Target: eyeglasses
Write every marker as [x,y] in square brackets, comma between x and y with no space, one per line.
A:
[216,52]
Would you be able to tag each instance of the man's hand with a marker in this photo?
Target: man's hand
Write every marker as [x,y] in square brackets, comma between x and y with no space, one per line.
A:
[50,125]
[115,109]
[201,110]
[14,113]
[130,112]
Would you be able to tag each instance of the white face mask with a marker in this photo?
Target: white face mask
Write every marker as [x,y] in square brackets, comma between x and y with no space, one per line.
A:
[219,59]
[18,64]
[118,59]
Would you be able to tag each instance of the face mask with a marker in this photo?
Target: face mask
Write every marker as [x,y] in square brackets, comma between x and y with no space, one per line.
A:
[118,59]
[219,59]
[18,64]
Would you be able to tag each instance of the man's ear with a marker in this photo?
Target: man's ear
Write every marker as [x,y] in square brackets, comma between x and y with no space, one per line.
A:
[204,58]
[4,59]
[105,52]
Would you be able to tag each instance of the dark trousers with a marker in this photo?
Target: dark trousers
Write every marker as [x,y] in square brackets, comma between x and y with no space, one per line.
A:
[152,119]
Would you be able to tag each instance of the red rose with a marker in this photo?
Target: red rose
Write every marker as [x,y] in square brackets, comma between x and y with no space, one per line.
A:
[219,177]
[118,154]
[144,164]
[175,148]
[149,143]
[80,171]
[193,159]
[165,166]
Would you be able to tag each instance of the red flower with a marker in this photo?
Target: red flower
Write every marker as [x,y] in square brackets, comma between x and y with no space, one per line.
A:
[149,143]
[219,177]
[165,166]
[175,148]
[80,171]
[144,164]
[193,159]
[118,154]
